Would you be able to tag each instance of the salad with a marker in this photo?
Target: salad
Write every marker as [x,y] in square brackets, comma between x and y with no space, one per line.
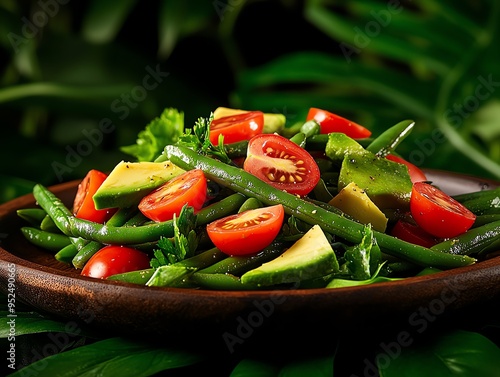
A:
[241,200]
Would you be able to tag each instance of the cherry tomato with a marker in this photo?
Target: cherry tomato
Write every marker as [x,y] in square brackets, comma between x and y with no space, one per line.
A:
[237,127]
[247,232]
[83,204]
[281,163]
[438,213]
[112,259]
[412,233]
[188,188]
[330,122]
[416,175]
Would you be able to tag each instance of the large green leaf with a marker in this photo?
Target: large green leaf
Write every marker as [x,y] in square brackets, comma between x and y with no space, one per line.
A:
[111,357]
[457,353]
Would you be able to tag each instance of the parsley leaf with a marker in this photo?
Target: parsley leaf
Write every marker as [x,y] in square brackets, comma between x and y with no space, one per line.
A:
[182,245]
[161,131]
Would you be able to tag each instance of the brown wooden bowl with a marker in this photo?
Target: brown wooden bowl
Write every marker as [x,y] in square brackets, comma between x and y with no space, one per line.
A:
[231,316]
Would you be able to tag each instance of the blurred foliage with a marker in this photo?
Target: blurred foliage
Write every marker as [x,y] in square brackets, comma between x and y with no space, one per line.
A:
[81,79]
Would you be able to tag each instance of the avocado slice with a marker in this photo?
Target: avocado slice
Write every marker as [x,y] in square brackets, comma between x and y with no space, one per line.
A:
[310,257]
[386,183]
[339,145]
[354,201]
[129,182]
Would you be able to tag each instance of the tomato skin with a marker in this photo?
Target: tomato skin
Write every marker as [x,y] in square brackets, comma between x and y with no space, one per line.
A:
[330,122]
[416,175]
[414,234]
[237,127]
[83,204]
[113,259]
[248,232]
[188,188]
[438,213]
[281,163]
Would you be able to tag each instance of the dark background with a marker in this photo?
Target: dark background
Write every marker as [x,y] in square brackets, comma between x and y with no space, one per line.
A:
[63,65]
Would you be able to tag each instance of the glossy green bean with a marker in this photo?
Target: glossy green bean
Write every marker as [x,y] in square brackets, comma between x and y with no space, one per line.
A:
[388,140]
[249,185]
[66,254]
[103,233]
[224,207]
[221,282]
[33,216]
[486,202]
[480,240]
[250,203]
[46,240]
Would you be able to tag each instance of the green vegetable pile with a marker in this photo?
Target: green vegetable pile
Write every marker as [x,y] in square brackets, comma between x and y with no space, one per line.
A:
[182,255]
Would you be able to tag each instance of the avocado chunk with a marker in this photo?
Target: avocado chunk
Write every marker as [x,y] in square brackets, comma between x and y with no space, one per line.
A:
[340,145]
[310,257]
[129,182]
[354,201]
[386,183]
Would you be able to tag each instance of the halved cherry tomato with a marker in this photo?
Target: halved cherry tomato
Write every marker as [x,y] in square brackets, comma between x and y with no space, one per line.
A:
[416,175]
[282,164]
[330,122]
[114,259]
[438,213]
[83,204]
[247,232]
[237,127]
[188,188]
[412,233]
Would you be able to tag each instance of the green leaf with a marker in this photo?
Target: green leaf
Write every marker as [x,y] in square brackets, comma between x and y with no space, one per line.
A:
[104,19]
[310,367]
[160,132]
[177,19]
[251,367]
[111,357]
[456,353]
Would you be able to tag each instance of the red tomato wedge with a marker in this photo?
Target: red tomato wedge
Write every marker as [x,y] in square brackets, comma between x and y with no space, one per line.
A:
[112,260]
[412,233]
[281,163]
[188,188]
[330,122]
[416,175]
[237,127]
[437,213]
[247,232]
[83,204]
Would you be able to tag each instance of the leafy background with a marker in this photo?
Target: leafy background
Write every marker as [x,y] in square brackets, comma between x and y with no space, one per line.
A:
[66,67]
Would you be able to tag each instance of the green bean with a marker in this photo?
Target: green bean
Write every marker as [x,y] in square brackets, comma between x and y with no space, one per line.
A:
[486,219]
[103,233]
[318,142]
[119,218]
[224,207]
[222,282]
[249,185]
[310,128]
[46,240]
[299,138]
[48,225]
[33,216]
[250,203]
[66,254]
[85,253]
[486,202]
[140,277]
[388,140]
[237,265]
[480,240]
